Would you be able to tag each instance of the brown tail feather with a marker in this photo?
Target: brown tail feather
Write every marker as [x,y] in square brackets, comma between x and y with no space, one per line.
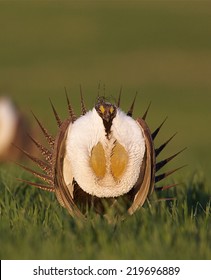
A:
[154,134]
[159,150]
[166,174]
[83,107]
[44,151]
[42,164]
[162,163]
[48,137]
[119,98]
[130,112]
[41,176]
[70,109]
[166,198]
[58,120]
[39,186]
[146,112]
[163,188]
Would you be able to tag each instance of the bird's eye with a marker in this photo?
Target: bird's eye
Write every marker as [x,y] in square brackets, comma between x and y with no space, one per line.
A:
[111,109]
[102,109]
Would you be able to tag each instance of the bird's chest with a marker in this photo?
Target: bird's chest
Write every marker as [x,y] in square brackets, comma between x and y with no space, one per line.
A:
[108,160]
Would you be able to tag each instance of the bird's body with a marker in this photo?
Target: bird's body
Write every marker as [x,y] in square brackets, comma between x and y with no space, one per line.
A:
[8,125]
[103,155]
[105,165]
[13,129]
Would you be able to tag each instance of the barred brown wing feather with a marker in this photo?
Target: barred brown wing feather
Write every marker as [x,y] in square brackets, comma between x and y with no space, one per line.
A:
[145,185]
[62,193]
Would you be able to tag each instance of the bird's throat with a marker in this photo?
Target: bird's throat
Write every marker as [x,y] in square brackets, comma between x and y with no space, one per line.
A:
[107,125]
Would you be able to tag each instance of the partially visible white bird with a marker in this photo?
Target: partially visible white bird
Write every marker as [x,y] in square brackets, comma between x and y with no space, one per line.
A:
[13,129]
[100,157]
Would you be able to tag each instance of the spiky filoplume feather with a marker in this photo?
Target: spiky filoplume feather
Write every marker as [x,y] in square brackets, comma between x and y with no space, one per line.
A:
[159,149]
[83,107]
[58,120]
[130,111]
[70,109]
[119,98]
[42,176]
[46,167]
[146,112]
[48,137]
[56,159]
[162,163]
[43,150]
[155,133]
[166,174]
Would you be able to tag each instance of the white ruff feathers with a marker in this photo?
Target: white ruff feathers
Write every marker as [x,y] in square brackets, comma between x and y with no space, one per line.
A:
[89,130]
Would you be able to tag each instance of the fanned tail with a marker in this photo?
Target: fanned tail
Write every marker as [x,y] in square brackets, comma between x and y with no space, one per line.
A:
[52,173]
[159,165]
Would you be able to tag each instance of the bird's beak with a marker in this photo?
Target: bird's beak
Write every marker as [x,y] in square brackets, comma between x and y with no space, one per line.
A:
[106,112]
[107,115]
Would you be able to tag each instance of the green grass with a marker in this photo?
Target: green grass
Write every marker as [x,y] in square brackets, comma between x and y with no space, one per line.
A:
[162,49]
[34,226]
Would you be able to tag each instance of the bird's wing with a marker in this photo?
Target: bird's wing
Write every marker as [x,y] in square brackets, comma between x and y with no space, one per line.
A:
[63,192]
[145,183]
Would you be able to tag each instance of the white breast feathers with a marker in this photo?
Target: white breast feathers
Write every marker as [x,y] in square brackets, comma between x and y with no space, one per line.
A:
[105,166]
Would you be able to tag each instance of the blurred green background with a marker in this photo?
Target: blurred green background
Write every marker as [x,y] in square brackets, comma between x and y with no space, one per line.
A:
[162,49]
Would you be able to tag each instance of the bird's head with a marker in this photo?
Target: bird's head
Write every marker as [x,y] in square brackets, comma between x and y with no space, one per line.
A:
[106,110]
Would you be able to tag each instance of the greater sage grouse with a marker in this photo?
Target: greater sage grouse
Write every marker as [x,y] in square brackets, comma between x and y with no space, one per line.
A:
[13,129]
[101,160]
